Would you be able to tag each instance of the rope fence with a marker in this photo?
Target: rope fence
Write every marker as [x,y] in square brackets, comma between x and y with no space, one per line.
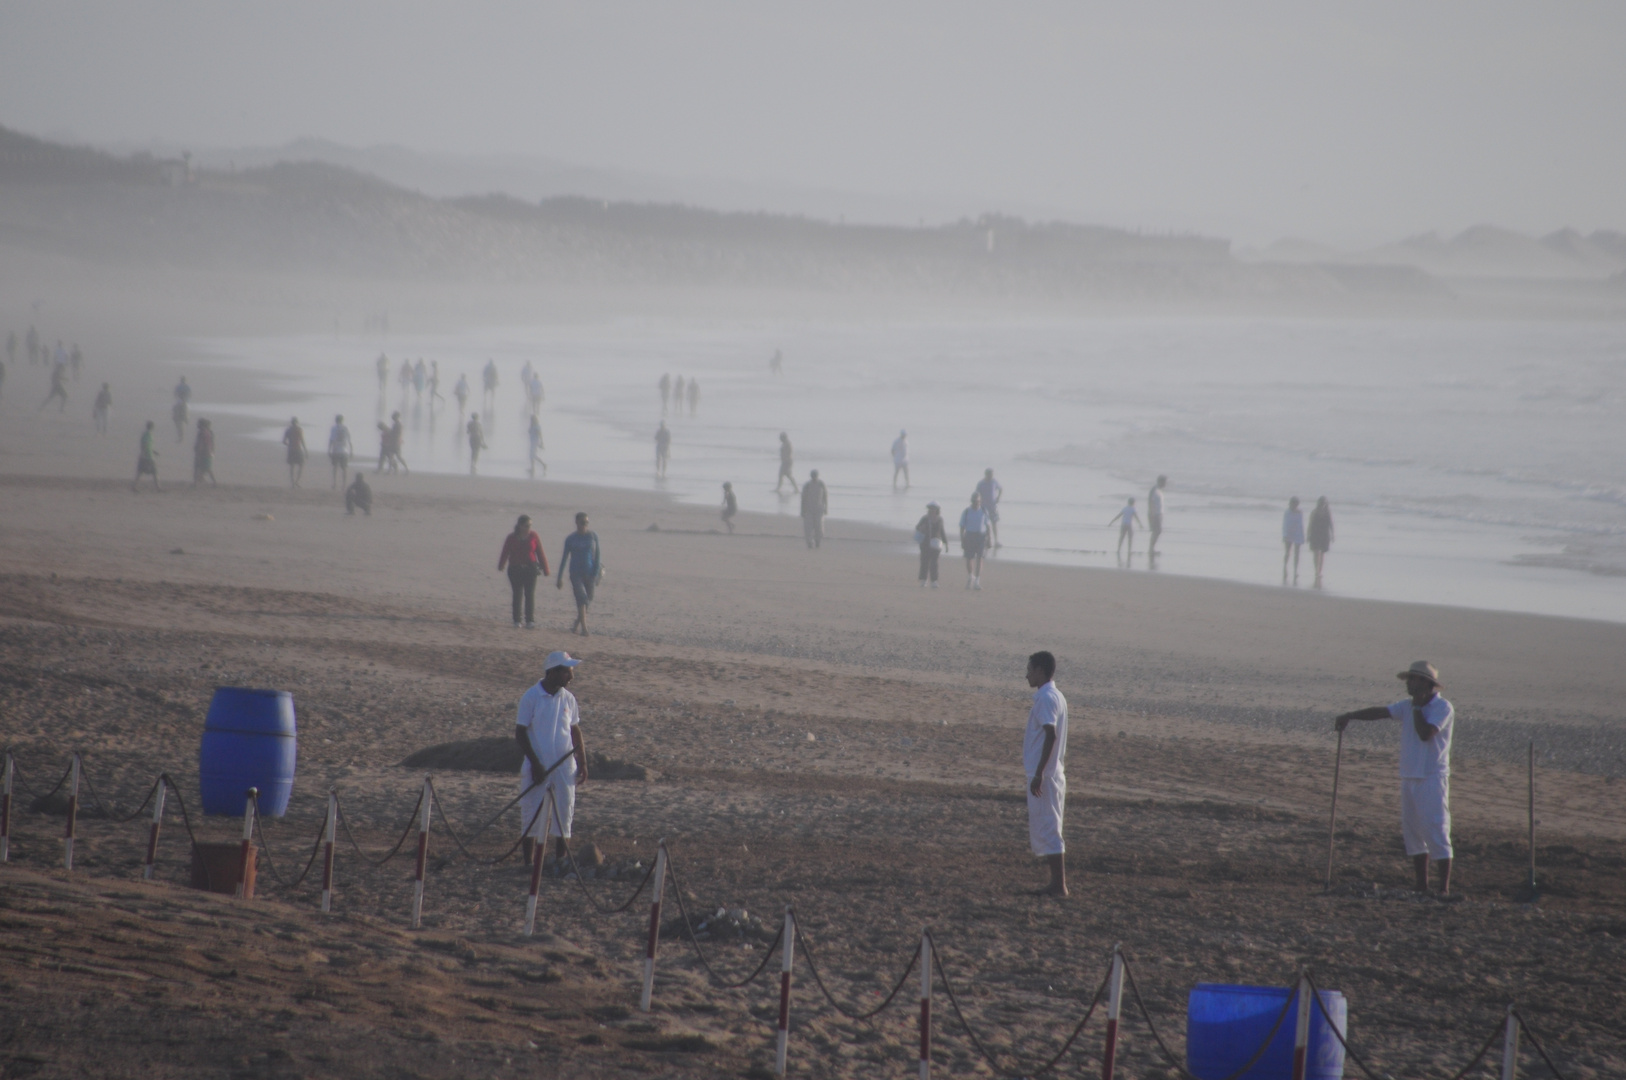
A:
[927,956]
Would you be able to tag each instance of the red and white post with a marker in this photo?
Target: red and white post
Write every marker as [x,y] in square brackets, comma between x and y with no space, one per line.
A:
[654,926]
[539,851]
[1301,1030]
[1510,1046]
[73,814]
[423,856]
[5,810]
[786,956]
[329,835]
[250,802]
[1115,1000]
[925,1005]
[152,833]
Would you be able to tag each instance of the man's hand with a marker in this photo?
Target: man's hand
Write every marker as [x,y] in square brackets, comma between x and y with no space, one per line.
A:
[1037,786]
[581,768]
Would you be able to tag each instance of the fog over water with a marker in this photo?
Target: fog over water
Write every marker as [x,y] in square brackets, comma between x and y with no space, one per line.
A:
[1465,462]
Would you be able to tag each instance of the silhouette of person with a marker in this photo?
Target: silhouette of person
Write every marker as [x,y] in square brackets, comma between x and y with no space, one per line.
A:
[294,440]
[1127,518]
[1292,538]
[203,454]
[991,491]
[146,460]
[1320,535]
[900,460]
[787,460]
[815,505]
[731,505]
[663,450]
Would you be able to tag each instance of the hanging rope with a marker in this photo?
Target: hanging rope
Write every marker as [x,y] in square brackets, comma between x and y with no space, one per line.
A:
[851,1014]
[1180,1065]
[689,930]
[412,819]
[1531,1035]
[316,848]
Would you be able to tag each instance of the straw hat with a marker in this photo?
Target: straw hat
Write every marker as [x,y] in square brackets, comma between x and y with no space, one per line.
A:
[1423,670]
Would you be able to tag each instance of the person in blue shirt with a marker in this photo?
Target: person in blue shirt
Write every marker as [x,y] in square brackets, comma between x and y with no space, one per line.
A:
[581,557]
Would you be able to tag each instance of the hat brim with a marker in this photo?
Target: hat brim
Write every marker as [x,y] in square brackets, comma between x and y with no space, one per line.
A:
[1404,675]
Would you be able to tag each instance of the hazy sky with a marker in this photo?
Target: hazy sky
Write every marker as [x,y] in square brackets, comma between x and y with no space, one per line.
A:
[1355,123]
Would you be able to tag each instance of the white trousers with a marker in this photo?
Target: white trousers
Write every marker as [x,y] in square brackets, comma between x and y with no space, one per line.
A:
[561,784]
[1425,816]
[1045,814]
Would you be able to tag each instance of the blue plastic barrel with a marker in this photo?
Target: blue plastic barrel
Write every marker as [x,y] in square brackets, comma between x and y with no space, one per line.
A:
[249,741]
[1225,1025]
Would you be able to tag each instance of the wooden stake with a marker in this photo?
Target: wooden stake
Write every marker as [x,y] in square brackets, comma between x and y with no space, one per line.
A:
[73,816]
[152,835]
[654,926]
[1332,826]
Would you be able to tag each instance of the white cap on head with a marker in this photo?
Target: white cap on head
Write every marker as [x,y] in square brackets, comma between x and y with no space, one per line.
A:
[559,659]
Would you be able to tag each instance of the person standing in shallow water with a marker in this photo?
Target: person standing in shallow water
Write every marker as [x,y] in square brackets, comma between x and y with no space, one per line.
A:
[146,460]
[339,449]
[1154,514]
[294,440]
[900,460]
[1292,538]
[477,441]
[815,506]
[1044,754]
[1425,769]
[103,408]
[1320,534]
[731,504]
[663,449]
[787,461]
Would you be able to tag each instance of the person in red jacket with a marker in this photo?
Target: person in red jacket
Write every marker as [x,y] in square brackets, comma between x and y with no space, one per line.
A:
[523,556]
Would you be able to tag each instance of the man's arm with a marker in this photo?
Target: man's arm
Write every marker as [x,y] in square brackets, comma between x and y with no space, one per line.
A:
[1376,712]
[523,737]
[564,560]
[1037,784]
[1420,724]
[580,750]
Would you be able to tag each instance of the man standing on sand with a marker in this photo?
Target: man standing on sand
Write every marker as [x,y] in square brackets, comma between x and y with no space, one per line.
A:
[103,408]
[815,504]
[339,449]
[731,506]
[974,526]
[548,730]
[477,440]
[203,454]
[1044,755]
[663,449]
[146,460]
[294,440]
[1154,514]
[581,557]
[787,459]
[1425,769]
[900,460]
[991,490]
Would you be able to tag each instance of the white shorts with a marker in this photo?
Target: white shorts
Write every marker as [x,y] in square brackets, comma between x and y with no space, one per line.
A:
[561,784]
[1425,816]
[1045,814]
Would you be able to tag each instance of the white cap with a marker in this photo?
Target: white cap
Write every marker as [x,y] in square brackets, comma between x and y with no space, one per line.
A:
[559,659]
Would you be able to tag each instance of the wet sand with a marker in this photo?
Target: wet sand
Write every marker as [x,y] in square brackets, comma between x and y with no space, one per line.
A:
[825,733]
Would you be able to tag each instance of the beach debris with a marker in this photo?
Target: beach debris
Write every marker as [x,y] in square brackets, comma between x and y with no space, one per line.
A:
[725,924]
[653,527]
[264,517]
[177,551]
[812,737]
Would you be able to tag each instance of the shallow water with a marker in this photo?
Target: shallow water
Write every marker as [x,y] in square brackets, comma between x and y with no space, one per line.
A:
[1467,463]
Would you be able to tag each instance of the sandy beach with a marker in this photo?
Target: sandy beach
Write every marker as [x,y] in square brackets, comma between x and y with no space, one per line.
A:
[822,734]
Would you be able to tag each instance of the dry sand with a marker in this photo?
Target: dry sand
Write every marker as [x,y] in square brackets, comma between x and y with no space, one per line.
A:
[825,734]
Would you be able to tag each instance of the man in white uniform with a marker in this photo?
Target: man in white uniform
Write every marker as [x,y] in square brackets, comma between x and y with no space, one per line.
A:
[1425,769]
[900,460]
[1044,752]
[548,730]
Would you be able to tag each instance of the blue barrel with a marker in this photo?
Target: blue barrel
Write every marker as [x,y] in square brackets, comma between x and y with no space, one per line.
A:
[1226,1024]
[248,742]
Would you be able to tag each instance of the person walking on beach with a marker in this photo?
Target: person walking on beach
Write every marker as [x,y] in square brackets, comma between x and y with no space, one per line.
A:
[420,377]
[900,460]
[663,450]
[405,379]
[933,541]
[339,449]
[677,396]
[183,392]
[489,380]
[180,411]
[974,527]
[397,440]
[477,440]
[294,440]
[1320,534]
[787,460]
[59,387]
[694,396]
[1292,538]
[665,386]
[1425,769]
[103,409]
[534,437]
[548,730]
[991,490]
[382,364]
[1154,514]
[146,460]
[359,496]
[203,454]
[731,506]
[460,391]
[1044,757]
[581,558]
[434,383]
[1127,518]
[384,455]
[523,556]
[815,505]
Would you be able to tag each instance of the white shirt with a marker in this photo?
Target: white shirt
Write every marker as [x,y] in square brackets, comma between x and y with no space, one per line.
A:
[1154,502]
[900,451]
[547,720]
[338,440]
[1421,760]
[974,519]
[1049,710]
[1293,527]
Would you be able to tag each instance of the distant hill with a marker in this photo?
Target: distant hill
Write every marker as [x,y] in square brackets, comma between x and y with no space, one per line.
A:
[306,216]
[1484,251]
